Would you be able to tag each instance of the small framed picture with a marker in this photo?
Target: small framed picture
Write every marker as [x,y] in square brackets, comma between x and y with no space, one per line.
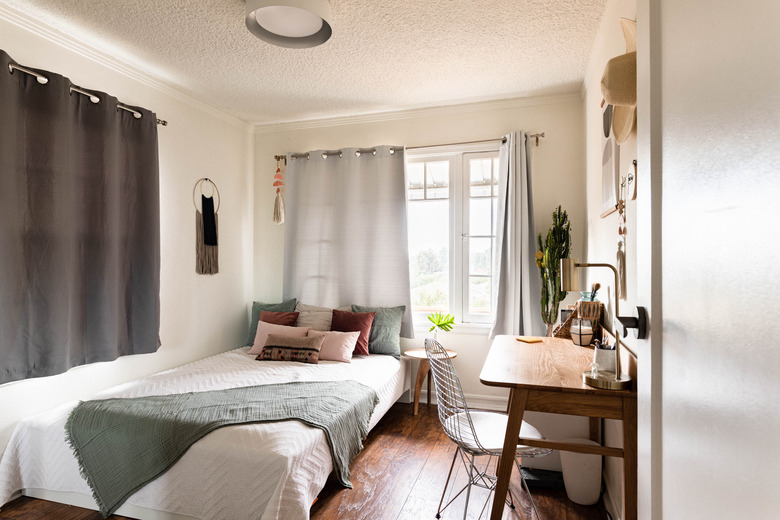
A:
[610,166]
[610,162]
[565,313]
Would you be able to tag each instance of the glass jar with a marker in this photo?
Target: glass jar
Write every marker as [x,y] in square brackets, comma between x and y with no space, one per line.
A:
[581,332]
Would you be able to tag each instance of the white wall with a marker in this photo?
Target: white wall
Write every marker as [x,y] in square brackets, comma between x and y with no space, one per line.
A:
[602,232]
[558,179]
[720,171]
[200,315]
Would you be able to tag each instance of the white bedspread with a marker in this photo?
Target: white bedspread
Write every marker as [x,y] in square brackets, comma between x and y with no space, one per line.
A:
[254,471]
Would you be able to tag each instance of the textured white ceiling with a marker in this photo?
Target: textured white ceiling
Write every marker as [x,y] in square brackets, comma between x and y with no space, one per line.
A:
[383,55]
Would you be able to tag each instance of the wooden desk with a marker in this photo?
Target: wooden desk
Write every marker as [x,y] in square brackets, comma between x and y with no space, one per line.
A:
[422,371]
[547,377]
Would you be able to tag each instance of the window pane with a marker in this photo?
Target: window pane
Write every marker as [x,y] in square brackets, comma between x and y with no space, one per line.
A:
[479,295]
[415,177]
[433,233]
[480,216]
[480,191]
[416,194]
[494,203]
[480,250]
[495,177]
[429,231]
[480,172]
[438,179]
[480,177]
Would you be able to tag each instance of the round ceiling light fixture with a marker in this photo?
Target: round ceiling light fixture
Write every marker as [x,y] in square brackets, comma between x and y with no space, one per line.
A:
[296,24]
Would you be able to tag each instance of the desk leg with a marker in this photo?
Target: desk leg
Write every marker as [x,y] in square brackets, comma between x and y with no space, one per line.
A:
[629,460]
[422,371]
[594,427]
[517,400]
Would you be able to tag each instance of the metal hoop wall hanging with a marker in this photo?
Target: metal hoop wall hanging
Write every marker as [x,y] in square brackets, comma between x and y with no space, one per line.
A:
[214,191]
[206,227]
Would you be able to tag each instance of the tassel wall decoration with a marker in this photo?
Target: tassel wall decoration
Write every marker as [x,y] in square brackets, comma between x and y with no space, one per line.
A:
[278,183]
[206,225]
[620,290]
[621,269]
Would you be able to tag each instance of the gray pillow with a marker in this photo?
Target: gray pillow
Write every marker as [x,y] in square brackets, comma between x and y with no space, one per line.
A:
[288,306]
[385,336]
[317,318]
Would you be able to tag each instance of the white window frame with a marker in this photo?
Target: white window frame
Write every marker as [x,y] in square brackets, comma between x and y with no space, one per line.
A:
[459,198]
[466,235]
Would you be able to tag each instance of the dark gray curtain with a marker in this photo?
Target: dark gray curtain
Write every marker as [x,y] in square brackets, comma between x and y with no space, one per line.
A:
[79,228]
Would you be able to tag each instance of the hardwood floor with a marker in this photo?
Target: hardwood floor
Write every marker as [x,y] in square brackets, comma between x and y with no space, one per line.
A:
[398,476]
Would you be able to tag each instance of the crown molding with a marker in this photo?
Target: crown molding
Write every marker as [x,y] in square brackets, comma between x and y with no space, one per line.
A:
[463,108]
[80,48]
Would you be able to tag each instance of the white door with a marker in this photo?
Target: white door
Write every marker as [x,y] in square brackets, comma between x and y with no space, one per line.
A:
[709,156]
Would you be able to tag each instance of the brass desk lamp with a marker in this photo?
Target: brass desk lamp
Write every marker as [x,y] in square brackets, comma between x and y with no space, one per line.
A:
[570,281]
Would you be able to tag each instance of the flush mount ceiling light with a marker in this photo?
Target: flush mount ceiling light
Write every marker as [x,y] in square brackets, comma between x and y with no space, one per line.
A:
[289,23]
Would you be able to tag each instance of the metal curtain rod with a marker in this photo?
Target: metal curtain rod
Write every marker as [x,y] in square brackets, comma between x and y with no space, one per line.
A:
[340,153]
[358,152]
[503,140]
[535,136]
[40,78]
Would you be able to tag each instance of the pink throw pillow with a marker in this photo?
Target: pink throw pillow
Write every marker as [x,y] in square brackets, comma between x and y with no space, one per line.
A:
[264,329]
[345,321]
[337,346]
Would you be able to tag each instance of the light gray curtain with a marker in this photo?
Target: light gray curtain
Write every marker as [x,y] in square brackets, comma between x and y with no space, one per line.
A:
[516,288]
[345,231]
[79,228]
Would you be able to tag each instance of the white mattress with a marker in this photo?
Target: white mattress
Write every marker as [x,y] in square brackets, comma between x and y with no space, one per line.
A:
[258,471]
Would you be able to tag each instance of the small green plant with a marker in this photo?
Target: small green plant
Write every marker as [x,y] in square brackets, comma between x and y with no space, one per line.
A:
[441,321]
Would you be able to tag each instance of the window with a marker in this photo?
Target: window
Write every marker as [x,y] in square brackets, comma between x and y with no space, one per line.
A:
[452,208]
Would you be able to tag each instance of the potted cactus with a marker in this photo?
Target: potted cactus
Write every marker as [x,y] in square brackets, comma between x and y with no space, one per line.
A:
[555,246]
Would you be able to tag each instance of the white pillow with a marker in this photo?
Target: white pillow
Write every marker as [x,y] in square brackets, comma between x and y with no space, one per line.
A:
[264,329]
[317,318]
[337,346]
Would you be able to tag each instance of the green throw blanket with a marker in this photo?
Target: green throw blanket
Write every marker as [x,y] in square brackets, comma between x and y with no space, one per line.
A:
[122,444]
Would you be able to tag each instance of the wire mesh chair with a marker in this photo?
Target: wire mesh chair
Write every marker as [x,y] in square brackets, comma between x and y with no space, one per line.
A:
[475,433]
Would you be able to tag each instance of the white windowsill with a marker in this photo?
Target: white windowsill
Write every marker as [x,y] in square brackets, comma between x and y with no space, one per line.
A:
[474,329]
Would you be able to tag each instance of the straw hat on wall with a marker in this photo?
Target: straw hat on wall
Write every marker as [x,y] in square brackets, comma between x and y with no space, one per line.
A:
[618,84]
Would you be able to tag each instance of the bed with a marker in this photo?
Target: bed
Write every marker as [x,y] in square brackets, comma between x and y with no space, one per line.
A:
[259,471]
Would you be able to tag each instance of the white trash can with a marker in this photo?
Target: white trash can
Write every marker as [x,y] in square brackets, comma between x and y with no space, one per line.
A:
[581,474]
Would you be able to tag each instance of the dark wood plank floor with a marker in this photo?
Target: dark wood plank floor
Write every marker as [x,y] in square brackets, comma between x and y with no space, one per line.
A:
[398,476]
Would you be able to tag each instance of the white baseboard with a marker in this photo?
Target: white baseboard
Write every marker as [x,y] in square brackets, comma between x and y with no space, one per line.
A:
[477,401]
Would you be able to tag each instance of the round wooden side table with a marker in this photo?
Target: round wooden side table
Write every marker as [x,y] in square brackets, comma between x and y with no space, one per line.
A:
[422,372]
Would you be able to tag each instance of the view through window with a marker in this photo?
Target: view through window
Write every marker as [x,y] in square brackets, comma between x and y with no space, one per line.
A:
[452,209]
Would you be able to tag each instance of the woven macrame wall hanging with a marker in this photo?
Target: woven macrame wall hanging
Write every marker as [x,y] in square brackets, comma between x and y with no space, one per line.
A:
[278,184]
[206,225]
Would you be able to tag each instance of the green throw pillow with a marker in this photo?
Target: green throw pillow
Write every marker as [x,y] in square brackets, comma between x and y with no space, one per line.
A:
[385,336]
[288,306]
